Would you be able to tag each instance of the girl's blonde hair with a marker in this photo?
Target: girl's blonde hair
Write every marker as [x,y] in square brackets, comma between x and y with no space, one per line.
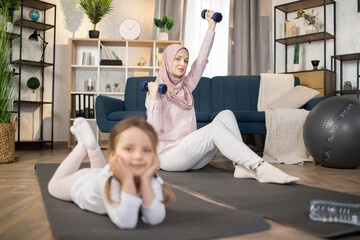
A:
[114,138]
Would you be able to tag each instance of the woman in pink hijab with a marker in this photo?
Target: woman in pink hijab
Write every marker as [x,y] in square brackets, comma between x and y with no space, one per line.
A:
[172,115]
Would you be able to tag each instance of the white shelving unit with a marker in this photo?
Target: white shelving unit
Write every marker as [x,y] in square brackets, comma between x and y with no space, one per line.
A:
[129,51]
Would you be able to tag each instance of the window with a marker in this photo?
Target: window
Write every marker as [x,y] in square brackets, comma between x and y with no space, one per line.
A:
[195,29]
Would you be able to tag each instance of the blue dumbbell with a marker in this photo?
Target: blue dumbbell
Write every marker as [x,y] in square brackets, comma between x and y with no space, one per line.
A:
[217,17]
[162,87]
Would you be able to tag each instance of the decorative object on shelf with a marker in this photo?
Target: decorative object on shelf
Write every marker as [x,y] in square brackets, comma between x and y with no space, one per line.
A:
[347,85]
[34,15]
[86,58]
[142,62]
[34,38]
[311,27]
[95,11]
[33,83]
[107,88]
[164,23]
[130,29]
[315,64]
[116,87]
[89,85]
[159,58]
[287,29]
[296,65]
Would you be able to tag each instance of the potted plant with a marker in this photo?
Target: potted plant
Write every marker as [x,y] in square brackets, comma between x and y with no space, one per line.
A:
[7,129]
[95,11]
[33,83]
[163,24]
[116,87]
[347,85]
[10,8]
[107,88]
[312,28]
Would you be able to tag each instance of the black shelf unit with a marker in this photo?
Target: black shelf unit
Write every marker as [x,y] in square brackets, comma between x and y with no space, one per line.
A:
[24,65]
[342,58]
[306,38]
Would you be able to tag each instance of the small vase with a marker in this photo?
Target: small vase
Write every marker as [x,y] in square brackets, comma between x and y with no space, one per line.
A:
[347,87]
[94,34]
[296,67]
[116,89]
[107,89]
[32,97]
[311,29]
[163,36]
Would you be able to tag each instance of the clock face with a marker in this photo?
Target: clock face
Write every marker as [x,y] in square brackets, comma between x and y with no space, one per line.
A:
[130,29]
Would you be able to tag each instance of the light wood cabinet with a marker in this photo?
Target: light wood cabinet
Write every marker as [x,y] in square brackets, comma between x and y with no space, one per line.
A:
[318,80]
[138,59]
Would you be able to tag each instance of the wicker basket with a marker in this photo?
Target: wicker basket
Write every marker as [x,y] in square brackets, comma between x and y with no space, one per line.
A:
[7,141]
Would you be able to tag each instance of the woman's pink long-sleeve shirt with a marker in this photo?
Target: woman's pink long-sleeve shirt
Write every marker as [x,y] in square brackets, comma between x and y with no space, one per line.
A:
[170,122]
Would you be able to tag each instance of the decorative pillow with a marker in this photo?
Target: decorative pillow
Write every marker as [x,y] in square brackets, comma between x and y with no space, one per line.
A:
[295,98]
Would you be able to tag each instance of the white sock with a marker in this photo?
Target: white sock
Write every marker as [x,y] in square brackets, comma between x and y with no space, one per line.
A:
[266,173]
[84,132]
[78,138]
[243,172]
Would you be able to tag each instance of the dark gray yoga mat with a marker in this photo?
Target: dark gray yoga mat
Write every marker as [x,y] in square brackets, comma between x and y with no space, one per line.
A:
[186,218]
[286,204]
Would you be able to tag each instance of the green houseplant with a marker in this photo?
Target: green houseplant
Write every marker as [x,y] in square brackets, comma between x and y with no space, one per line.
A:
[95,11]
[33,83]
[10,7]
[7,129]
[162,24]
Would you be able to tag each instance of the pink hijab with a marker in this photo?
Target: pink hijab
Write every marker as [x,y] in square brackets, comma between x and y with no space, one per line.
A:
[177,90]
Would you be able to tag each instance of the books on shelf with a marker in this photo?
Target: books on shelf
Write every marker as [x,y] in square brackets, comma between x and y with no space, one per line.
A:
[111,57]
[287,29]
[82,105]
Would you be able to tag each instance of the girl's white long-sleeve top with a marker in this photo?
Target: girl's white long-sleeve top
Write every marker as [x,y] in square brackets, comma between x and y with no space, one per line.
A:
[88,192]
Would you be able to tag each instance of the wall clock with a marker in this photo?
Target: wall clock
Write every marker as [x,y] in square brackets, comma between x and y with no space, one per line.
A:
[130,29]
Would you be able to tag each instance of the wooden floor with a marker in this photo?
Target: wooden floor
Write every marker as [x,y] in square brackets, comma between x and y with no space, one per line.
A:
[23,216]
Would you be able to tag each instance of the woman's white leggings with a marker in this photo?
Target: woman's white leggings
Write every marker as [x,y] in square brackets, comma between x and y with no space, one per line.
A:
[199,147]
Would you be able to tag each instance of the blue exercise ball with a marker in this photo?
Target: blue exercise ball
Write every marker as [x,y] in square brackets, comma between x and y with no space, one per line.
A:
[34,15]
[332,132]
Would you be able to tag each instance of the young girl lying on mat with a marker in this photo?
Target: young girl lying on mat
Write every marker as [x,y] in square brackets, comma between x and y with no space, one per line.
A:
[172,115]
[123,187]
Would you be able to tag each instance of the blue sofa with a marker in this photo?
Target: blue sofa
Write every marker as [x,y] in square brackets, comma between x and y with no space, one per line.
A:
[237,93]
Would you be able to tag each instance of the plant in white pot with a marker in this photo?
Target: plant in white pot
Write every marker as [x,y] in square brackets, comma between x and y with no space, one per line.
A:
[166,23]
[95,11]
[116,87]
[107,87]
[7,86]
[33,83]
[11,7]
[347,85]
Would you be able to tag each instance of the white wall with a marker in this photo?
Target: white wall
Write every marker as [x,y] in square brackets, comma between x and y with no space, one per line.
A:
[71,22]
[347,38]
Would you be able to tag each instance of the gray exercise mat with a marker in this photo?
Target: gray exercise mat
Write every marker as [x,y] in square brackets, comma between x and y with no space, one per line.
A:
[286,204]
[187,218]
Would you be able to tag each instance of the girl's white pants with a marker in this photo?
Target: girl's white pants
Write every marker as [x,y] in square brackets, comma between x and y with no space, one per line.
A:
[199,147]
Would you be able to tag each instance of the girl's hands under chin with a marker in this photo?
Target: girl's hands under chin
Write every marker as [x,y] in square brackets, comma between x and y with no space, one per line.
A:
[151,171]
[120,169]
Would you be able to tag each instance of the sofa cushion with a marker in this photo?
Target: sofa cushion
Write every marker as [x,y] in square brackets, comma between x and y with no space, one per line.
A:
[295,98]
[120,115]
[202,96]
[245,116]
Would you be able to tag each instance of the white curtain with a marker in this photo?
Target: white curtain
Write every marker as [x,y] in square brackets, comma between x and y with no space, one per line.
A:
[195,29]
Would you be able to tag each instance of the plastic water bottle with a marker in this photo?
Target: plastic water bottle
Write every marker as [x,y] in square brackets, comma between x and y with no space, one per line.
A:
[327,211]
